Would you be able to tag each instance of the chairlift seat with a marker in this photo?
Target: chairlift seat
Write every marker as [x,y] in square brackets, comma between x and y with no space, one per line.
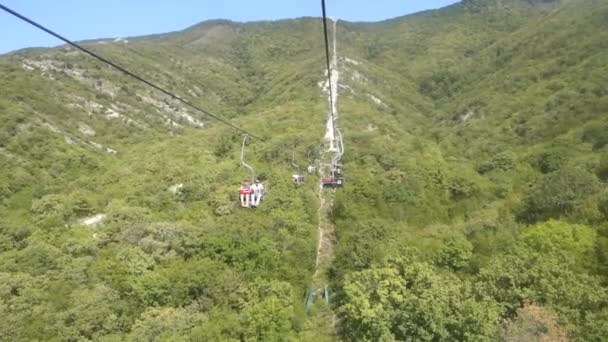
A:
[333,182]
[298,179]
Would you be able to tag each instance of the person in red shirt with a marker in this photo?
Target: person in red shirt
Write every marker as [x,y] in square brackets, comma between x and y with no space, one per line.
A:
[245,194]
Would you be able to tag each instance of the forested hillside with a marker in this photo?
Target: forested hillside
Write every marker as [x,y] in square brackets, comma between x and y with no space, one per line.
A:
[475,207]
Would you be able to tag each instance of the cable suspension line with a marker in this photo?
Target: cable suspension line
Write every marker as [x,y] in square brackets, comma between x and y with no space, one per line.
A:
[331,90]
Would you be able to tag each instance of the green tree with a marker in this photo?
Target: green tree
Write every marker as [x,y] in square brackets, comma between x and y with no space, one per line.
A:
[455,253]
[562,193]
[94,313]
[597,136]
[51,210]
[405,300]
[166,324]
[525,276]
[575,242]
[267,312]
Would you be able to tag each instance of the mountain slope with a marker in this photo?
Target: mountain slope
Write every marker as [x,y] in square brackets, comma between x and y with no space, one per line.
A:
[468,149]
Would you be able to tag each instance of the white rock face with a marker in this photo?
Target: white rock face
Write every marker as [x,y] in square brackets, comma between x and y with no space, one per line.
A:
[376,100]
[467,116]
[175,189]
[43,65]
[351,61]
[92,106]
[358,77]
[112,114]
[51,127]
[27,67]
[77,74]
[102,148]
[93,220]
[347,87]
[86,129]
[179,112]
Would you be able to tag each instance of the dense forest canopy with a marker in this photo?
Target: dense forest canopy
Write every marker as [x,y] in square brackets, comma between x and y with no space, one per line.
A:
[475,208]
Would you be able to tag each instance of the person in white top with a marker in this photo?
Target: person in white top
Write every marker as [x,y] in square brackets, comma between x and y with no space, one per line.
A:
[257,192]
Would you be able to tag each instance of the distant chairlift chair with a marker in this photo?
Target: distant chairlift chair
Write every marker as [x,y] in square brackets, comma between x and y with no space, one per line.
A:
[297,178]
[251,199]
[336,180]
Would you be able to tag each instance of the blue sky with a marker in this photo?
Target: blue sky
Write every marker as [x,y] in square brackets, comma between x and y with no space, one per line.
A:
[90,19]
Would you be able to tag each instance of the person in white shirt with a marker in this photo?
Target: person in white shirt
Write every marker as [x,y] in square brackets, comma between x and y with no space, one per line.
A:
[257,190]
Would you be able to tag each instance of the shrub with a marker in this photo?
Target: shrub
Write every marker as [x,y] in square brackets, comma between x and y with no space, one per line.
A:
[559,194]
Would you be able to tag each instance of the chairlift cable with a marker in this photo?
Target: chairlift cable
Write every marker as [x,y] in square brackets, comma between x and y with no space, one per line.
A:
[331,91]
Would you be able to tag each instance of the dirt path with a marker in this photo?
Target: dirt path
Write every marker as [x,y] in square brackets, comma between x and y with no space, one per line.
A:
[327,240]
[324,321]
[325,248]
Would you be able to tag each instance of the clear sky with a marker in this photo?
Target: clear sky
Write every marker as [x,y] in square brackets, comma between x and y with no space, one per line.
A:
[89,19]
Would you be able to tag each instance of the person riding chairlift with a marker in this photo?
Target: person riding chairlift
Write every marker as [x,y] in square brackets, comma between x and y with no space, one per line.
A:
[297,179]
[245,194]
[257,190]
